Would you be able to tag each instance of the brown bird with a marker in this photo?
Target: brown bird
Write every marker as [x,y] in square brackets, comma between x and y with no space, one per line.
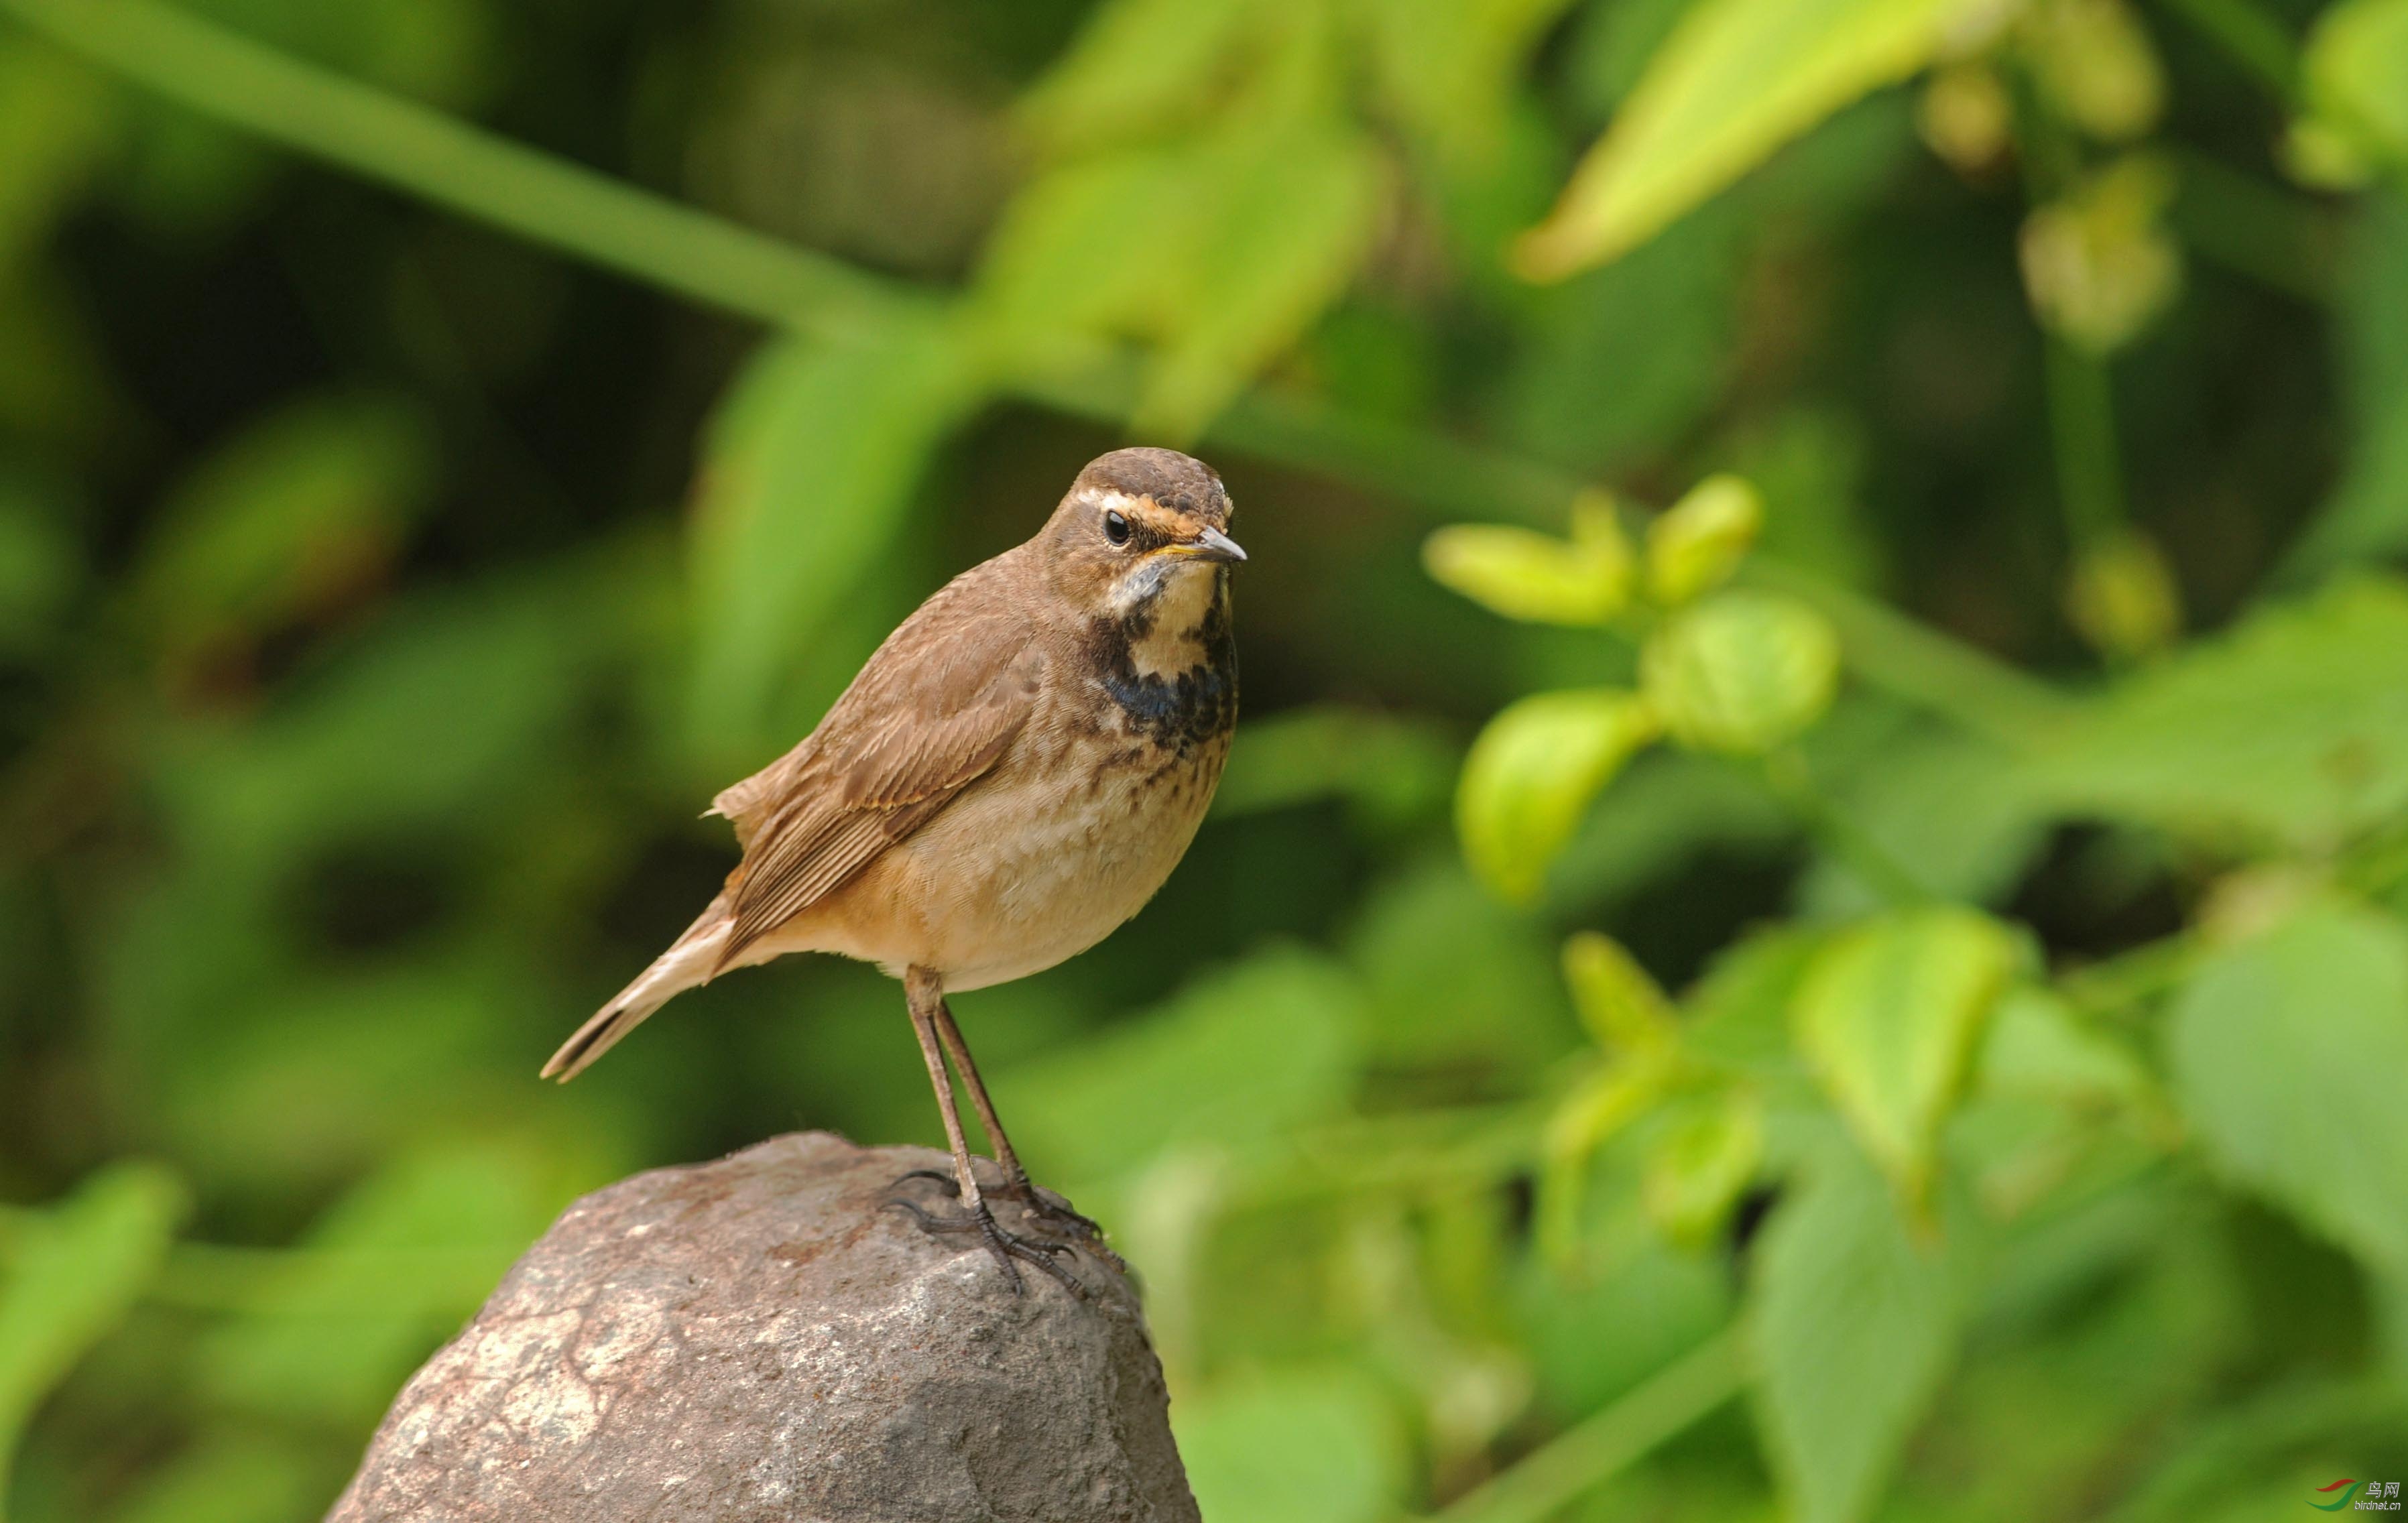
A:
[1012,775]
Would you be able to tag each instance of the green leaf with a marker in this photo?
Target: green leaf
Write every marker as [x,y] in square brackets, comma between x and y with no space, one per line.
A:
[2367,514]
[1668,314]
[1617,999]
[1191,1070]
[2292,728]
[1888,1017]
[56,120]
[1854,1324]
[296,512]
[39,568]
[1462,982]
[1293,1446]
[382,1277]
[434,50]
[2036,1046]
[1739,1011]
[1698,1168]
[1698,542]
[240,1476]
[2353,74]
[2287,1053]
[1524,574]
[1251,229]
[1393,771]
[1451,69]
[1627,1305]
[72,1275]
[1531,775]
[1741,672]
[1136,65]
[1597,1111]
[491,670]
[807,479]
[1736,81]
[1291,214]
[1959,814]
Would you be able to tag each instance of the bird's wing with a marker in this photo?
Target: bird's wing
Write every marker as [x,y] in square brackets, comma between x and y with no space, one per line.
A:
[938,704]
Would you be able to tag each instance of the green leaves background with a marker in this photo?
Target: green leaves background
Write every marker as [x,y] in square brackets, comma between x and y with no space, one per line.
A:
[1899,1018]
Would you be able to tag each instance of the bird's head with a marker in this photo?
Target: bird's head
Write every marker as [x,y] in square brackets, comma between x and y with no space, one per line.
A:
[1138,528]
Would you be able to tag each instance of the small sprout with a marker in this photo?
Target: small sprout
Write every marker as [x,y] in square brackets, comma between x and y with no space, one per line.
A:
[2100,265]
[1597,1111]
[2122,598]
[1965,116]
[2094,60]
[1617,999]
[1697,1170]
[1743,672]
[1695,545]
[1534,576]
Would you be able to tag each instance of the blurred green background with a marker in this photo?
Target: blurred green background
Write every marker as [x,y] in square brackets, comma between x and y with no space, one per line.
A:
[1903,1013]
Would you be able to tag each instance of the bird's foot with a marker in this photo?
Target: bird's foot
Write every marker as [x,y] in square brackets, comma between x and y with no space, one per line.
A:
[1005,1246]
[1048,1206]
[1057,1211]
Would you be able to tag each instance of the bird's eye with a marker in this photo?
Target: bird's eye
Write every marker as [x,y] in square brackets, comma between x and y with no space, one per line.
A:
[1116,529]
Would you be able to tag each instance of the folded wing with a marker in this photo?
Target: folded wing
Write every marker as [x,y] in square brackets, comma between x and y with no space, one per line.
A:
[938,705]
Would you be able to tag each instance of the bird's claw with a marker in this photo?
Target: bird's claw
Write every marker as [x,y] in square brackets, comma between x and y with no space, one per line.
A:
[1040,1202]
[1005,1246]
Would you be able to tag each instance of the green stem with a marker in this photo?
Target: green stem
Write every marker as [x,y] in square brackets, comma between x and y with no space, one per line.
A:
[2252,226]
[221,1278]
[451,163]
[2082,424]
[1912,660]
[2128,984]
[652,238]
[1792,782]
[2080,401]
[2250,38]
[1579,1460]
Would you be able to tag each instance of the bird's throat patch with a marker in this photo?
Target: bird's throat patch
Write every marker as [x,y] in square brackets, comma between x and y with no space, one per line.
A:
[1166,630]
[1176,679]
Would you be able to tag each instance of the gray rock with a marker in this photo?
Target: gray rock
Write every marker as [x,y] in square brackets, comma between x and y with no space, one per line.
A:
[760,1339]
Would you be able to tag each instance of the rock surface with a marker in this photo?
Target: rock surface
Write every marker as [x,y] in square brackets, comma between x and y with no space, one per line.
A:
[762,1337]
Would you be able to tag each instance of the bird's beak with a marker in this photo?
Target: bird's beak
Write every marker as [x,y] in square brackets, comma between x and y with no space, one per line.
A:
[1211,544]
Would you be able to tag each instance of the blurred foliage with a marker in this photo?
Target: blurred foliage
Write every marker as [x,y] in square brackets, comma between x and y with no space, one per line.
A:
[1877,990]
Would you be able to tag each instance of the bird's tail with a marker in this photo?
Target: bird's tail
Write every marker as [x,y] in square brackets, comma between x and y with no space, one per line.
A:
[691,959]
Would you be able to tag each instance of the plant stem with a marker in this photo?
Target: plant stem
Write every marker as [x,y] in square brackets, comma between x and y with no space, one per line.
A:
[648,237]
[1576,1461]
[2080,401]
[1912,660]
[1792,782]
[2250,225]
[440,159]
[2082,423]
[2124,985]
[2250,38]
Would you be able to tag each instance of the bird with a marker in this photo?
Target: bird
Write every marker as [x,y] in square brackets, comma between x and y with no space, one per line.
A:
[1013,774]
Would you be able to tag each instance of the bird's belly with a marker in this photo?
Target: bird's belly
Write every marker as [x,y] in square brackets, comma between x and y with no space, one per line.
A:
[1016,876]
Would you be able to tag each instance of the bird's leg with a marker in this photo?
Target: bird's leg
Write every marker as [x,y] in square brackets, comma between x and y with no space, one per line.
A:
[1014,1174]
[1016,1182]
[924,995]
